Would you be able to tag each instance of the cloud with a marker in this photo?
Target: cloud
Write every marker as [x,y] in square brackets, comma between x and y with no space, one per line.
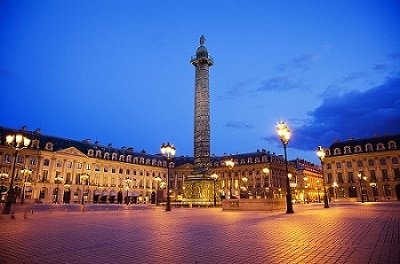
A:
[237,90]
[353,114]
[287,74]
[279,83]
[388,63]
[238,125]
[301,63]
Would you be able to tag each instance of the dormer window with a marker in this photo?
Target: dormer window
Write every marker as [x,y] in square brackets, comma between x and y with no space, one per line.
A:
[380,146]
[35,144]
[98,153]
[114,156]
[347,150]
[337,151]
[107,155]
[368,147]
[49,146]
[392,145]
[90,152]
[357,149]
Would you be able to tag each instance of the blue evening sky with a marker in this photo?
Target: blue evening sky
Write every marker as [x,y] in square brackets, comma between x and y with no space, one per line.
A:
[119,71]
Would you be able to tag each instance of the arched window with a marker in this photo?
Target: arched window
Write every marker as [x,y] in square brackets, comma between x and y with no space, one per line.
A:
[347,150]
[392,145]
[368,147]
[337,151]
[357,149]
[90,152]
[380,146]
[98,153]
[49,146]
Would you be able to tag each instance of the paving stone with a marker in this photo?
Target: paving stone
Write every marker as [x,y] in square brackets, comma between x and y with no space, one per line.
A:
[343,233]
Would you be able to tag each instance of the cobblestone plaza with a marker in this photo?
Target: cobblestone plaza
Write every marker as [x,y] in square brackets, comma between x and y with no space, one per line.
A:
[343,233]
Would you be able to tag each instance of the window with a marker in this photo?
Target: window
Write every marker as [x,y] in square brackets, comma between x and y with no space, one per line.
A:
[357,149]
[112,170]
[88,166]
[337,151]
[79,165]
[380,146]
[120,171]
[20,159]
[90,152]
[45,176]
[348,164]
[49,146]
[7,158]
[385,175]
[68,178]
[395,160]
[340,177]
[338,165]
[96,168]
[350,177]
[59,164]
[371,162]
[372,175]
[387,190]
[105,169]
[392,145]
[33,161]
[98,153]
[359,163]
[347,150]
[396,173]
[382,161]
[46,162]
[329,166]
[329,178]
[69,164]
[368,147]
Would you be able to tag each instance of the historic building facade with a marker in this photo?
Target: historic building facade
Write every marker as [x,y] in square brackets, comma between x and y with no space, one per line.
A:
[53,169]
[364,169]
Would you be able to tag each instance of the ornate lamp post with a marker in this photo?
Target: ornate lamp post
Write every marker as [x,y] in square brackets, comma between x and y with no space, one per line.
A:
[83,177]
[168,151]
[24,173]
[58,179]
[321,156]
[230,164]
[266,172]
[17,142]
[127,181]
[215,178]
[284,136]
[158,181]
[359,174]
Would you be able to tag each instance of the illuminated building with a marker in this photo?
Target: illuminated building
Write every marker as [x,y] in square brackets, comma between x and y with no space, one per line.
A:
[364,169]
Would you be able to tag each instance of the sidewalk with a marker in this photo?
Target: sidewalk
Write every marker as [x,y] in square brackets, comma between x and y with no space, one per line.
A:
[344,233]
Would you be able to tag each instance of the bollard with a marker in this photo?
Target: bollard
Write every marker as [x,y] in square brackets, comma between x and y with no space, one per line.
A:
[31,211]
[12,216]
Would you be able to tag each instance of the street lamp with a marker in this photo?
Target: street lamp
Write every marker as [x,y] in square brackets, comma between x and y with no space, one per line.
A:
[24,172]
[266,172]
[215,178]
[17,142]
[230,164]
[359,174]
[58,179]
[284,136]
[168,151]
[321,156]
[128,181]
[158,181]
[83,177]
